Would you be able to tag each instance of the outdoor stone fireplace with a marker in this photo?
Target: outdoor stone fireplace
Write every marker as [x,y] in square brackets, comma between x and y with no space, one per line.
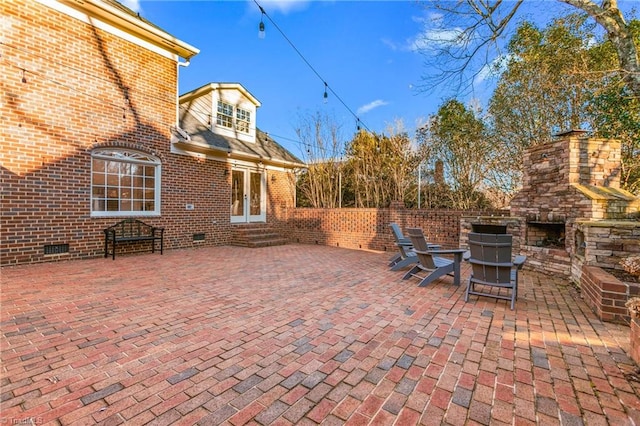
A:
[569,181]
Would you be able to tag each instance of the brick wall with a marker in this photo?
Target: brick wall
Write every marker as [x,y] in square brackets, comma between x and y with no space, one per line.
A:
[85,88]
[281,193]
[369,228]
[606,295]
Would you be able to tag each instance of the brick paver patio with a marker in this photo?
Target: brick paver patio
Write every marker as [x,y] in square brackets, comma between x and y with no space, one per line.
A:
[299,335]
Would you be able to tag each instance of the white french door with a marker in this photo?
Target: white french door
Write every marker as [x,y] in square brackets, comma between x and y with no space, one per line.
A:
[248,200]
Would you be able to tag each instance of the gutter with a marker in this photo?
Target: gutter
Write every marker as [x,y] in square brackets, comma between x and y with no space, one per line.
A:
[179,64]
[204,148]
[126,21]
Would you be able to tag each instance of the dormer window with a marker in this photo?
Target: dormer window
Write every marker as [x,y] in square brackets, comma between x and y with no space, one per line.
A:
[225,115]
[243,118]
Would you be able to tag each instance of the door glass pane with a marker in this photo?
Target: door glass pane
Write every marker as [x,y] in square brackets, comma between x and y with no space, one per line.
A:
[256,194]
[237,193]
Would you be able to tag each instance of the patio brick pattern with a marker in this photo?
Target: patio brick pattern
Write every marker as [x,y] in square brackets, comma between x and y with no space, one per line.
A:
[299,334]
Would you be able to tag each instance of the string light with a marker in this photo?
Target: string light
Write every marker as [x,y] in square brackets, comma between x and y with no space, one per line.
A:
[327,88]
[261,33]
[24,78]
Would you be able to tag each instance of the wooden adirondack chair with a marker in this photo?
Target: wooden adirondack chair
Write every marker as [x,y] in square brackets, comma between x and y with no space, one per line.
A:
[405,255]
[431,265]
[492,266]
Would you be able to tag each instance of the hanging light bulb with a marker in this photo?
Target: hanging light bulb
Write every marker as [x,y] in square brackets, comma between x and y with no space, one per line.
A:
[24,78]
[261,33]
[326,95]
[358,124]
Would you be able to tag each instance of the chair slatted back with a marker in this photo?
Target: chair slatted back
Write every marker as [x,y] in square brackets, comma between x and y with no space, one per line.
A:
[397,232]
[401,240]
[491,257]
[420,245]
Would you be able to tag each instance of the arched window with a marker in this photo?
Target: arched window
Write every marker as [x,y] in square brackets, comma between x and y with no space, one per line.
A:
[124,183]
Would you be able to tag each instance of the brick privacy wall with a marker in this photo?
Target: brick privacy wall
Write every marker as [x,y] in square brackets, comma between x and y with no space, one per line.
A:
[606,294]
[369,228]
[86,88]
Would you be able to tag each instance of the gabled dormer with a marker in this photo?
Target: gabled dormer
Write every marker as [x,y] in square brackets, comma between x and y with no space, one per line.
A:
[227,109]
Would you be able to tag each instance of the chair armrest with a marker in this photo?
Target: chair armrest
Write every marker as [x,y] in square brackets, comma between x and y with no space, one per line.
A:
[518,261]
[447,251]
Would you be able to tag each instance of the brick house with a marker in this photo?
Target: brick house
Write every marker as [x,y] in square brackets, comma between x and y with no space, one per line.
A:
[91,135]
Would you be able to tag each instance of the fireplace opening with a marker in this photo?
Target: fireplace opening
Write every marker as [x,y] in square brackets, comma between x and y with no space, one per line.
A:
[546,234]
[482,228]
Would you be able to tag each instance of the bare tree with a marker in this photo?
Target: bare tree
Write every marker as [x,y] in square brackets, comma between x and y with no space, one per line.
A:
[323,147]
[402,161]
[469,33]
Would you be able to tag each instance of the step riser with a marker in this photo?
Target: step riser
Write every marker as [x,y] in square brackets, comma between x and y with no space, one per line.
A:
[256,236]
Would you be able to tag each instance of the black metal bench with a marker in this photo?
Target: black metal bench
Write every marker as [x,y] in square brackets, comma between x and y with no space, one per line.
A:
[131,230]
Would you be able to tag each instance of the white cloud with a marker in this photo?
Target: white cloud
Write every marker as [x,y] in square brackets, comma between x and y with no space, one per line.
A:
[431,38]
[433,33]
[371,105]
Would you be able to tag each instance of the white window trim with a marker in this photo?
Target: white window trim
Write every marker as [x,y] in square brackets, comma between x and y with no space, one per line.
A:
[237,123]
[134,157]
[245,122]
[228,117]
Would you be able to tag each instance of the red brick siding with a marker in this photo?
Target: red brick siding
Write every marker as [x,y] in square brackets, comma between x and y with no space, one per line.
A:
[86,88]
[280,194]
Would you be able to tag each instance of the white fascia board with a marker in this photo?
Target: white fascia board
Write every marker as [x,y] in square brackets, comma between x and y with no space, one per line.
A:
[203,90]
[123,25]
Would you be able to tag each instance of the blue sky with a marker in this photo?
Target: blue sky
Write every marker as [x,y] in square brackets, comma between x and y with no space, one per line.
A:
[364,51]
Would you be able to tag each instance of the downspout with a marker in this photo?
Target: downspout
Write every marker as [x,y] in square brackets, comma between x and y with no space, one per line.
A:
[180,64]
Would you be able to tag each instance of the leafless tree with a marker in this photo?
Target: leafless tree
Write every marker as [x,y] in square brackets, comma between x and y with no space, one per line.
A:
[467,35]
[323,148]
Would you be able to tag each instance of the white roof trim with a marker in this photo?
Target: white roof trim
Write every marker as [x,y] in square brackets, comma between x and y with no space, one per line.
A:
[124,25]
